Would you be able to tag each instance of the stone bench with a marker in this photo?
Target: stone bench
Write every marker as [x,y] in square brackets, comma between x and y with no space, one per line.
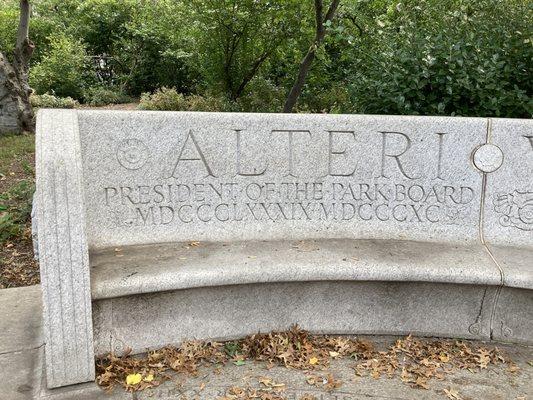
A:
[156,227]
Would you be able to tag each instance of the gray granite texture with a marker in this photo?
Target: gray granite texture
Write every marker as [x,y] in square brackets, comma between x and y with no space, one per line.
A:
[227,312]
[215,225]
[153,177]
[156,268]
[63,252]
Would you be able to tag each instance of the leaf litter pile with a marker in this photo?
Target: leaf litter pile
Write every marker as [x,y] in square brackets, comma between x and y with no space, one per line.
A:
[414,361]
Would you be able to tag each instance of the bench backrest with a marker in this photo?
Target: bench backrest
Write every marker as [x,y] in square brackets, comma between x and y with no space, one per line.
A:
[163,177]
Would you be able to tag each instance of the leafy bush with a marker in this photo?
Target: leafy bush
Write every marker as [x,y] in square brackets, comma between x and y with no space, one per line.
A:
[63,70]
[101,96]
[50,101]
[262,96]
[208,103]
[168,99]
[15,210]
[447,58]
[8,27]
[164,99]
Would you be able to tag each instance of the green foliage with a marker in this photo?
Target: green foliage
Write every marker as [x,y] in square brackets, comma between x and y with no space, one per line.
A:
[9,15]
[168,99]
[101,96]
[262,96]
[164,99]
[235,39]
[15,209]
[446,57]
[63,70]
[50,101]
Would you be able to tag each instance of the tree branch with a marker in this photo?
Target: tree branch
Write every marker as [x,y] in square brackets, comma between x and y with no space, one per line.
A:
[23,32]
[24,47]
[305,64]
[332,9]
[319,17]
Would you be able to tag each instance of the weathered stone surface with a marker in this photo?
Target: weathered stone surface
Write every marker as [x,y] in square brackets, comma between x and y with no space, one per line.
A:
[513,318]
[169,177]
[21,319]
[508,213]
[228,312]
[156,268]
[217,225]
[63,252]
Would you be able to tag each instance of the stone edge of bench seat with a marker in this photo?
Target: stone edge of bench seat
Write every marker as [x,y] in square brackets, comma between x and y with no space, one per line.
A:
[175,266]
[154,320]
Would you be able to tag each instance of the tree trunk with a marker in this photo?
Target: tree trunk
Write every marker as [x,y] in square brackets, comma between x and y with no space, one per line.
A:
[16,114]
[305,65]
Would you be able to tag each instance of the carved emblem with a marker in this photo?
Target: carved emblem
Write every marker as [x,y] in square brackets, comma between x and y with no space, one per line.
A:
[132,154]
[517,209]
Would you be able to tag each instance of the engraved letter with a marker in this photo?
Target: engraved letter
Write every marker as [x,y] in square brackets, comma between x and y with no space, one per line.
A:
[239,168]
[200,156]
[333,152]
[291,133]
[396,156]
[115,192]
[530,138]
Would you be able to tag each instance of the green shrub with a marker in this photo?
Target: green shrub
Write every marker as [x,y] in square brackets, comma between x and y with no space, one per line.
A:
[63,70]
[168,99]
[50,101]
[101,96]
[15,210]
[262,96]
[164,99]
[446,58]
[208,103]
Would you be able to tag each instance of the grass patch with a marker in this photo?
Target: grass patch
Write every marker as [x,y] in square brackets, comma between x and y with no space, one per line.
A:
[16,148]
[15,210]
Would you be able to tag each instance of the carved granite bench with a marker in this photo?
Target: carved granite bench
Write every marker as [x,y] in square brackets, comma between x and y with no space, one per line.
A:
[155,227]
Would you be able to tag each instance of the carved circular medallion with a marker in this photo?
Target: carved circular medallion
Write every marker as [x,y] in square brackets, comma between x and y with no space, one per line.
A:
[132,154]
[488,158]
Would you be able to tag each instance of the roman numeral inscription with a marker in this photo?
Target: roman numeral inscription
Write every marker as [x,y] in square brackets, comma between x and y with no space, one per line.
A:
[298,174]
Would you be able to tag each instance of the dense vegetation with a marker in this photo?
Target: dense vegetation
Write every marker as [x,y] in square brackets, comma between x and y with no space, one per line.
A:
[432,57]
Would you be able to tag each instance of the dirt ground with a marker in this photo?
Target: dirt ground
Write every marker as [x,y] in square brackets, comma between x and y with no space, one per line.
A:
[17,160]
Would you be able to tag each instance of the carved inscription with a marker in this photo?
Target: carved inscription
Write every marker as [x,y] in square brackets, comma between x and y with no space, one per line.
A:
[260,189]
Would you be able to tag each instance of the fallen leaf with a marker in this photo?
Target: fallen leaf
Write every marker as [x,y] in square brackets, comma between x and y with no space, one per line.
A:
[452,394]
[313,361]
[133,379]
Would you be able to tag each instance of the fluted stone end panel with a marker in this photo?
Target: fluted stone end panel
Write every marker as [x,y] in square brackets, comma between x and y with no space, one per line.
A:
[63,251]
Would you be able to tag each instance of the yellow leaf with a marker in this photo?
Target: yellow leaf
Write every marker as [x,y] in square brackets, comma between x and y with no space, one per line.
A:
[149,378]
[313,361]
[133,379]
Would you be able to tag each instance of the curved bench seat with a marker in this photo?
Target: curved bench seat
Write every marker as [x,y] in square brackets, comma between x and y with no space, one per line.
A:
[145,269]
[227,290]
